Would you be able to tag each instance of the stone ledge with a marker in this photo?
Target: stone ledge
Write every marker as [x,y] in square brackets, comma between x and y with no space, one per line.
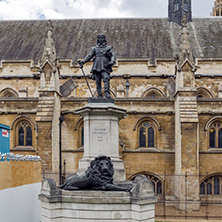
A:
[92,206]
[23,148]
[148,151]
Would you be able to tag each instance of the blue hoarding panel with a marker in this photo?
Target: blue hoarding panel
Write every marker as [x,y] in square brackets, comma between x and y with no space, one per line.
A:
[4,138]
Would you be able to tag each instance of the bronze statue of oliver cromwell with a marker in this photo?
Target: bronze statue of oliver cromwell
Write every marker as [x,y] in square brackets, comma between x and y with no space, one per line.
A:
[103,61]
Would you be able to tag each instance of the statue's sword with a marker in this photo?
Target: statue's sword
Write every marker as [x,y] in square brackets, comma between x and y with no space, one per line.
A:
[81,67]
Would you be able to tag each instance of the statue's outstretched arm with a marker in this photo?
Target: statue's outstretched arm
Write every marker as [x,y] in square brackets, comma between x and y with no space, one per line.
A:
[113,57]
[89,56]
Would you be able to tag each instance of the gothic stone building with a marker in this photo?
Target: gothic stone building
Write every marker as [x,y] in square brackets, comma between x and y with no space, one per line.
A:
[167,76]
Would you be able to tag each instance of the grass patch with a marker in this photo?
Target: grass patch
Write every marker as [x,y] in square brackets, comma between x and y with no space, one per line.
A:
[161,221]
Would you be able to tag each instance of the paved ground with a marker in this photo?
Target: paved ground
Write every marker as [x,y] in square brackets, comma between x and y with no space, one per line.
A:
[174,215]
[188,220]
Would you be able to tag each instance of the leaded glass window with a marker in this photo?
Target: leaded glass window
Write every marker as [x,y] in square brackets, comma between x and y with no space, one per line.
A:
[21,136]
[142,137]
[202,188]
[150,137]
[28,136]
[220,138]
[185,5]
[216,186]
[176,6]
[211,186]
[215,135]
[212,137]
[82,136]
[146,135]
[24,134]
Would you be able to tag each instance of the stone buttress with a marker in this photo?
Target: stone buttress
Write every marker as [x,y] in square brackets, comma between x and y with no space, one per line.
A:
[48,111]
[186,128]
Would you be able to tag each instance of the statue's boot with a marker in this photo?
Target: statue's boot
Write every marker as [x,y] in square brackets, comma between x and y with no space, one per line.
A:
[98,86]
[107,88]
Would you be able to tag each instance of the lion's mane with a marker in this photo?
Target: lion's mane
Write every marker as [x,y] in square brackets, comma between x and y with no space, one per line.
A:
[95,175]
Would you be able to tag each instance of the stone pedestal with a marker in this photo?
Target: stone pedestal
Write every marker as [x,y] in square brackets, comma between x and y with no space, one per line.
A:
[92,206]
[101,135]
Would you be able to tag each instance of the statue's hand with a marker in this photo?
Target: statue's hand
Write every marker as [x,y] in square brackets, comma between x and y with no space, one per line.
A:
[111,63]
[81,63]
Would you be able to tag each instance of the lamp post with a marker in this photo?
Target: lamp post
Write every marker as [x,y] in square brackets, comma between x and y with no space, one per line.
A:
[127,84]
[61,119]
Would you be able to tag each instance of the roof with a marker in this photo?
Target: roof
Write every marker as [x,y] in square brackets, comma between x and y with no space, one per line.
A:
[130,38]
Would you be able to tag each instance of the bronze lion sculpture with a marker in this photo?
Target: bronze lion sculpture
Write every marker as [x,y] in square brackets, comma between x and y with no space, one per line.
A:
[98,176]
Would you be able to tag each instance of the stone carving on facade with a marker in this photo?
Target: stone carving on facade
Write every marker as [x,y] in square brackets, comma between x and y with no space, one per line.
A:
[98,176]
[185,54]
[49,76]
[49,51]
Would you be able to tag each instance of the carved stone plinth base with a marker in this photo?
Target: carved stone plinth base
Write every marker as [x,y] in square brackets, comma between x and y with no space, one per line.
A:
[138,205]
[101,135]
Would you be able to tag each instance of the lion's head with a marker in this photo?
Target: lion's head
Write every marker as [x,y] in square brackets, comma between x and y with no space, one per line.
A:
[100,171]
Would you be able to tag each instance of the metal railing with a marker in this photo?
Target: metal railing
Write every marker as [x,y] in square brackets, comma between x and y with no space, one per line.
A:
[206,206]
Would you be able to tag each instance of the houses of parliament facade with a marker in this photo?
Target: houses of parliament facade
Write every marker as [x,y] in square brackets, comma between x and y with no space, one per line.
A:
[168,76]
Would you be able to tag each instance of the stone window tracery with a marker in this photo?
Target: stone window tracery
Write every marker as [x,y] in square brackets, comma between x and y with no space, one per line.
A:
[8,93]
[215,135]
[185,5]
[24,133]
[211,186]
[175,5]
[153,92]
[157,184]
[146,134]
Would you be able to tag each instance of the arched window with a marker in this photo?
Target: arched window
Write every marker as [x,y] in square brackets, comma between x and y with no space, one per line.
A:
[211,186]
[28,136]
[215,135]
[152,95]
[146,134]
[8,93]
[175,5]
[203,92]
[185,5]
[212,138]
[24,133]
[216,185]
[21,136]
[153,92]
[82,135]
[79,134]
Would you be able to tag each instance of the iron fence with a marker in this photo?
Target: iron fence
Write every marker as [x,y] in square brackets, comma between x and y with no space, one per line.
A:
[207,203]
[203,201]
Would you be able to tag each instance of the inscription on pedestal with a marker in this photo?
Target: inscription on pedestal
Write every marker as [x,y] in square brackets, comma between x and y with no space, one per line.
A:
[100,136]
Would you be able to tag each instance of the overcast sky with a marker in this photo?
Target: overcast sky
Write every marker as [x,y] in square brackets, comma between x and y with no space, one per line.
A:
[60,9]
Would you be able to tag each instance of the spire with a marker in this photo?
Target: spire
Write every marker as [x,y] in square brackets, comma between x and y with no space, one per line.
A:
[185,54]
[49,52]
[49,63]
[177,9]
